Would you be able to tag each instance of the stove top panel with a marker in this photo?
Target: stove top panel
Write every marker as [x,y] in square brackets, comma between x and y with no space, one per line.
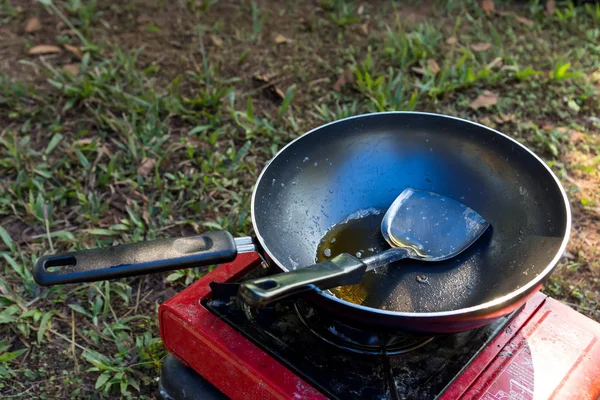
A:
[418,374]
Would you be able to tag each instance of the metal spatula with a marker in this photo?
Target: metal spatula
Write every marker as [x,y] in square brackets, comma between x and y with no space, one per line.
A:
[419,225]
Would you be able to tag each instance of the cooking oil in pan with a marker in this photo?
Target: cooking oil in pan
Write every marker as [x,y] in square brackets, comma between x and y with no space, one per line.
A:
[360,237]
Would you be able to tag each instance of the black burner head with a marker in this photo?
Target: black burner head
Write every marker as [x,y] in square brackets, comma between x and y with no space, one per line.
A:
[352,338]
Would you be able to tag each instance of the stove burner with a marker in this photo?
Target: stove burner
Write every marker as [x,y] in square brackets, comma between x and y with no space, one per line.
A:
[353,339]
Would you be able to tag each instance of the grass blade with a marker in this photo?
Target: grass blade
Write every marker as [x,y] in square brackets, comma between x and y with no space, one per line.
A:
[287,100]
[4,358]
[81,310]
[53,143]
[7,239]
[44,325]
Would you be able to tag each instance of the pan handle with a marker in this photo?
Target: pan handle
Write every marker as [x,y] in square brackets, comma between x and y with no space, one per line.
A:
[138,258]
[340,271]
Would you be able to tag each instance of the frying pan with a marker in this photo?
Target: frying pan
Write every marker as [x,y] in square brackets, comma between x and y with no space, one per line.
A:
[364,162]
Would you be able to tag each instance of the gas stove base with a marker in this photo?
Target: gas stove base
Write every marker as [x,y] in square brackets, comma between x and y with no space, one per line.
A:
[178,382]
[546,351]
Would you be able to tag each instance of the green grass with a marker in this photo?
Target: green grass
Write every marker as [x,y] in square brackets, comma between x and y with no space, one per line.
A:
[163,132]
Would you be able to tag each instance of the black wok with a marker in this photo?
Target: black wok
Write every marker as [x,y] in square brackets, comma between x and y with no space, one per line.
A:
[365,162]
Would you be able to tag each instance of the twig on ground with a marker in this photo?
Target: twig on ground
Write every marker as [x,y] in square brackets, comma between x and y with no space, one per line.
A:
[60,335]
[25,358]
[263,87]
[33,385]
[47,222]
[137,298]
[146,296]
[106,300]
[73,340]
[41,235]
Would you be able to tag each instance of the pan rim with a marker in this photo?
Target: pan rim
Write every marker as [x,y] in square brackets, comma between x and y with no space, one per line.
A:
[516,294]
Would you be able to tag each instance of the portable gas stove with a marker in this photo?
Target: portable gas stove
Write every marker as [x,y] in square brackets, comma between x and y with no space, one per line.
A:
[292,351]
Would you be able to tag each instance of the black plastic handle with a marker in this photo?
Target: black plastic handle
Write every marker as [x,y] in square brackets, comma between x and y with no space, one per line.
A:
[135,259]
[340,271]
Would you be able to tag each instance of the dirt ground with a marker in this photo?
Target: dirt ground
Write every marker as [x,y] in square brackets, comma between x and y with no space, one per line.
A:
[125,121]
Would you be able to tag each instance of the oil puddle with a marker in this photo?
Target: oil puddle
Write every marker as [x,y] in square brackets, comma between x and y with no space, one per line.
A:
[358,235]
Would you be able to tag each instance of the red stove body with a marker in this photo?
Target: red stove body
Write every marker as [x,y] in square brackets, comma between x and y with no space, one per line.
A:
[546,351]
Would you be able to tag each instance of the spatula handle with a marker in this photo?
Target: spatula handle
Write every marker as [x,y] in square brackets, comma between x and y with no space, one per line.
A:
[340,271]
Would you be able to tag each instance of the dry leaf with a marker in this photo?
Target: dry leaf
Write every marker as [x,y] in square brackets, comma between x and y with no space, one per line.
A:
[146,166]
[84,141]
[361,9]
[433,65]
[550,4]
[146,216]
[306,24]
[314,82]
[501,119]
[139,195]
[279,39]
[545,125]
[144,19]
[67,32]
[73,69]
[264,77]
[497,62]
[74,50]
[481,46]
[485,99]
[106,151]
[217,41]
[487,6]
[365,28]
[524,20]
[44,49]
[452,40]
[33,24]
[346,77]
[487,122]
[419,70]
[576,136]
[279,93]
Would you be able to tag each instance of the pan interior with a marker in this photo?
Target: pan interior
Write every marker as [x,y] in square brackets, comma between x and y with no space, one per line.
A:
[363,163]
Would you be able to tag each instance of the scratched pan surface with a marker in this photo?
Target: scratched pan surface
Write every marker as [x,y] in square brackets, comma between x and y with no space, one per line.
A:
[365,162]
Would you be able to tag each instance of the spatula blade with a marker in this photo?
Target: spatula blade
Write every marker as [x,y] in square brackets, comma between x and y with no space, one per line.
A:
[431,226]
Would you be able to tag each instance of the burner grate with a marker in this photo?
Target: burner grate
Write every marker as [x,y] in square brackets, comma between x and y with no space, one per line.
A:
[351,338]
